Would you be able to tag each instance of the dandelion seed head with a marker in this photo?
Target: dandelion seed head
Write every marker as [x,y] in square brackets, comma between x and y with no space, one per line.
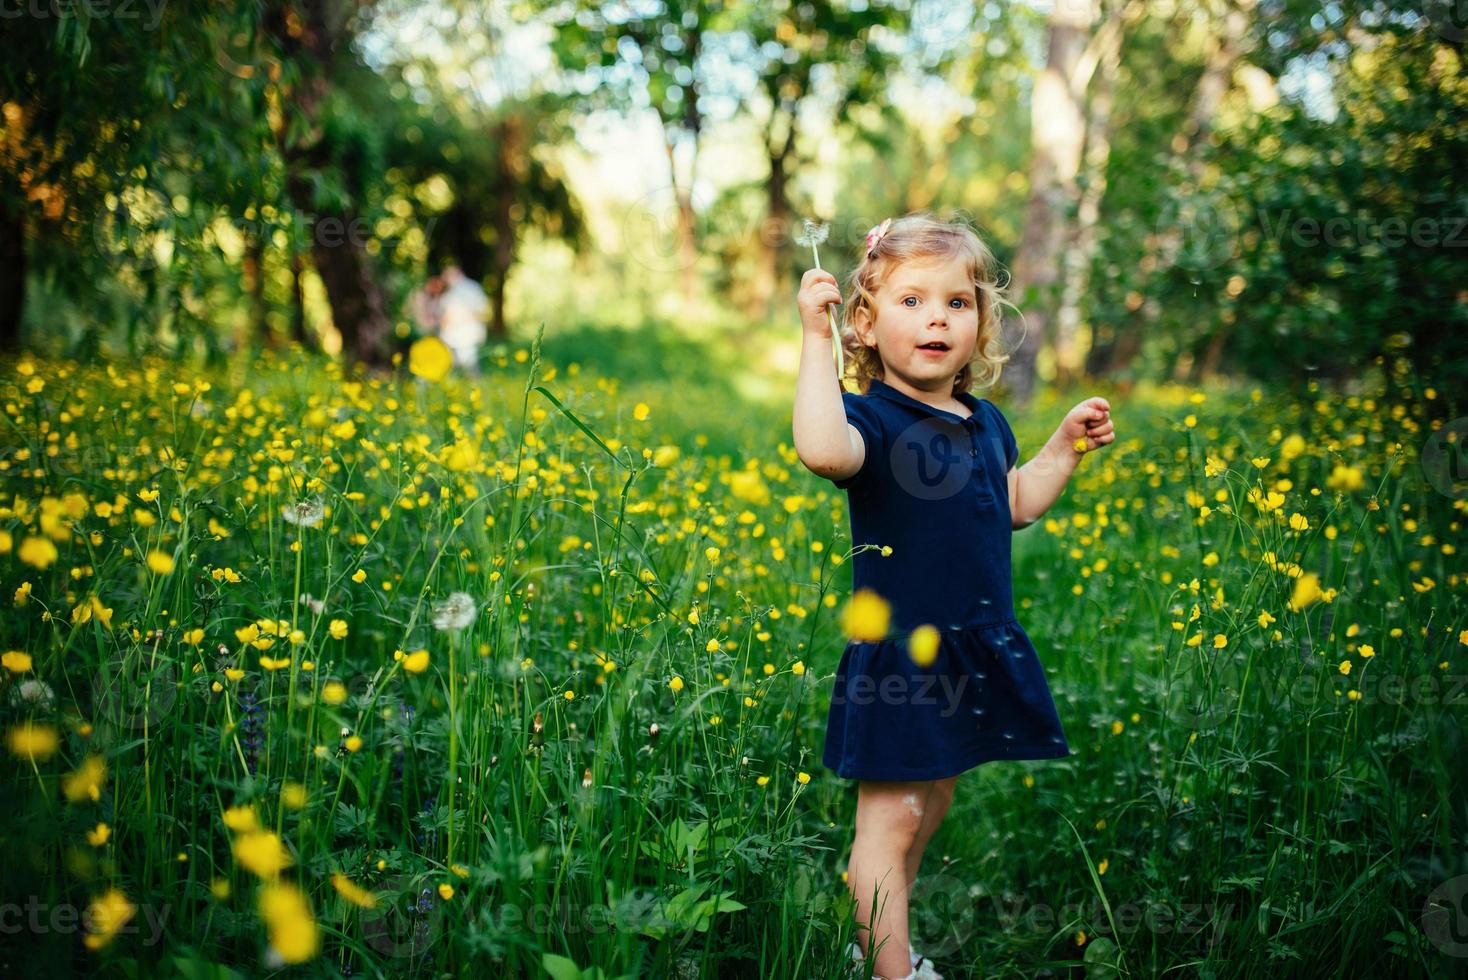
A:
[455,612]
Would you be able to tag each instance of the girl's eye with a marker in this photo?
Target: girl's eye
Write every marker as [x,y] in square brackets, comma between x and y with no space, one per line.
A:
[961,302]
[909,305]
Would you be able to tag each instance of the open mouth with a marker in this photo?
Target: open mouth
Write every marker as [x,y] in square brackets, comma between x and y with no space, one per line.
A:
[936,345]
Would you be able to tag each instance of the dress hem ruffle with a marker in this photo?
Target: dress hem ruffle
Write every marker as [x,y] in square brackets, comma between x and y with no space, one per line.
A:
[1021,754]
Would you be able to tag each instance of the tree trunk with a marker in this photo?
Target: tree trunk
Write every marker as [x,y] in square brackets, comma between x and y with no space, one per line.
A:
[253,273]
[776,228]
[1082,252]
[311,34]
[687,224]
[12,271]
[298,299]
[1057,135]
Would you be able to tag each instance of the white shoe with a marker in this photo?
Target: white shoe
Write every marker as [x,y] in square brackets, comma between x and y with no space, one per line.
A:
[922,967]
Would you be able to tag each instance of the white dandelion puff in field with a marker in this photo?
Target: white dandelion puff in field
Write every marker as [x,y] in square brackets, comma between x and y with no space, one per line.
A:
[315,604]
[32,696]
[455,612]
[304,513]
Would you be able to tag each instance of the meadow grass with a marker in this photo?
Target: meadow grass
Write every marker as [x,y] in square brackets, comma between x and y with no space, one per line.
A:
[529,677]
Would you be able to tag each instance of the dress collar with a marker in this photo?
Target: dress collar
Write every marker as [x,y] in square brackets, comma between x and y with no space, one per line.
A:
[884,390]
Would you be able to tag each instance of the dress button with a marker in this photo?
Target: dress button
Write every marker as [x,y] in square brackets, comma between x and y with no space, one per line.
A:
[972,451]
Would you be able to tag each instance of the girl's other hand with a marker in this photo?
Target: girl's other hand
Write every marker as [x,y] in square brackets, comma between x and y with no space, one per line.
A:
[1089,423]
[818,289]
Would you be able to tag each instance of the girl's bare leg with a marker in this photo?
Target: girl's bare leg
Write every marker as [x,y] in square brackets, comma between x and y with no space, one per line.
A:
[889,816]
[935,807]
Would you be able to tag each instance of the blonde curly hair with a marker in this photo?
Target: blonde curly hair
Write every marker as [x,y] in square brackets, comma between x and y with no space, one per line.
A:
[921,235]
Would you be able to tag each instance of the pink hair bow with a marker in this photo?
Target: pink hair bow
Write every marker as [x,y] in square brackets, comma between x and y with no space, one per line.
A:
[875,236]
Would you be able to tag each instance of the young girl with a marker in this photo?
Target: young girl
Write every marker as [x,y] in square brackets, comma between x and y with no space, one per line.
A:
[930,474]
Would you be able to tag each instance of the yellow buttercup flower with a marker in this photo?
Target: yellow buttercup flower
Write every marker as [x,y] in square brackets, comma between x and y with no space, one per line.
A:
[430,359]
[105,916]
[640,411]
[16,662]
[676,684]
[338,629]
[865,617]
[85,783]
[99,835]
[416,662]
[294,935]
[352,892]
[39,552]
[261,853]
[1307,591]
[160,563]
[922,645]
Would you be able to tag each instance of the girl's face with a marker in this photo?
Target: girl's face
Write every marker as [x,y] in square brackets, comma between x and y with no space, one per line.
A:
[926,323]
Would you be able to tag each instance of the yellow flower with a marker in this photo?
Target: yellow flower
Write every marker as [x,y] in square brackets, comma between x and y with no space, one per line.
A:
[1079,445]
[85,783]
[352,892]
[293,933]
[802,778]
[160,563]
[99,835]
[219,888]
[416,662]
[1213,467]
[1195,639]
[353,743]
[693,616]
[1463,638]
[261,853]
[762,780]
[798,668]
[1367,650]
[712,646]
[922,645]
[569,695]
[1345,667]
[333,692]
[105,916]
[147,496]
[1260,461]
[676,684]
[1307,591]
[23,594]
[248,634]
[241,819]
[39,552]
[446,891]
[16,662]
[865,617]
[293,796]
[1219,641]
[338,629]
[1265,619]
[640,411]
[359,576]
[1343,477]
[430,359]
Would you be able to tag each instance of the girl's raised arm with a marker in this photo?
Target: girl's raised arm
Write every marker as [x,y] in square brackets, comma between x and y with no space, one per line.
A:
[826,443]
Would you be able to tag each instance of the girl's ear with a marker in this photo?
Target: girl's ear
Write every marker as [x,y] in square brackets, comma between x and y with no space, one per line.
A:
[861,325]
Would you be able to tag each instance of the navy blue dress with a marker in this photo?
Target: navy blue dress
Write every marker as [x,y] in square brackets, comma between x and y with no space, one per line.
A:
[934,487]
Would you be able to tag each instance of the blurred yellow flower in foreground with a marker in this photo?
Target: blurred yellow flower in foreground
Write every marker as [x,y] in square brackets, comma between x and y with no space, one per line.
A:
[261,853]
[1307,591]
[922,646]
[160,563]
[16,662]
[352,892]
[865,617]
[99,835]
[416,662]
[86,782]
[105,916]
[430,359]
[293,933]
